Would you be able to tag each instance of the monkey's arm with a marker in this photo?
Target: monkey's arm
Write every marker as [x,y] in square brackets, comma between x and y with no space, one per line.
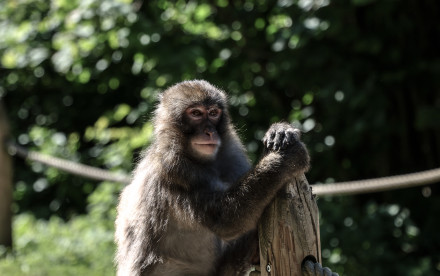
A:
[138,227]
[237,210]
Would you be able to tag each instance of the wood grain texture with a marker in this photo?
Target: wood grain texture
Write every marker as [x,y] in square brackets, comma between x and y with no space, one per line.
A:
[289,230]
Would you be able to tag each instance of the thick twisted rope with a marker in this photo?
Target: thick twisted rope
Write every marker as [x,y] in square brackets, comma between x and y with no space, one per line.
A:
[342,188]
[378,184]
[66,165]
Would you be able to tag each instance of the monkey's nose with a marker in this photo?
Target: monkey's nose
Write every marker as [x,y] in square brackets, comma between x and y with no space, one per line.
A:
[210,133]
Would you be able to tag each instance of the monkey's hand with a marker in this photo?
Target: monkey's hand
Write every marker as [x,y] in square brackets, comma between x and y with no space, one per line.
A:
[284,139]
[310,268]
[280,136]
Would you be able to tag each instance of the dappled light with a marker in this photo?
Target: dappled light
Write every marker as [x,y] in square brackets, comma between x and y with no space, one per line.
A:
[80,81]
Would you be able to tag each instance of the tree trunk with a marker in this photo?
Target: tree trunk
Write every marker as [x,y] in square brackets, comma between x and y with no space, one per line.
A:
[5,183]
[289,230]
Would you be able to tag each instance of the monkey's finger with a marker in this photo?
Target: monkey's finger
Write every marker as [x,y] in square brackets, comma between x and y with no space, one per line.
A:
[290,137]
[278,141]
[268,139]
[297,133]
[318,270]
[269,143]
[308,268]
[264,140]
[327,271]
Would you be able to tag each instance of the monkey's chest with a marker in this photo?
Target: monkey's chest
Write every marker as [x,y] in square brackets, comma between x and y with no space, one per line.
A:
[188,251]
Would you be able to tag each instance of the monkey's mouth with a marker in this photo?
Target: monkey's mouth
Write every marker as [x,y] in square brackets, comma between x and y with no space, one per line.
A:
[206,148]
[207,145]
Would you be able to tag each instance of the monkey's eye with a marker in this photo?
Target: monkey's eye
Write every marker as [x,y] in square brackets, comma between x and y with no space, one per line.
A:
[214,113]
[196,113]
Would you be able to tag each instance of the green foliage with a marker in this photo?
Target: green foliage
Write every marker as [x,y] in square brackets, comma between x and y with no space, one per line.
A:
[82,246]
[80,80]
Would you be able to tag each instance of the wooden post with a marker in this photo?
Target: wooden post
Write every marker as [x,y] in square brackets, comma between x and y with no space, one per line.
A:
[5,183]
[289,230]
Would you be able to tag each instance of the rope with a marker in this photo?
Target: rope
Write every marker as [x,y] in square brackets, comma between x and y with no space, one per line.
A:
[342,188]
[67,166]
[378,184]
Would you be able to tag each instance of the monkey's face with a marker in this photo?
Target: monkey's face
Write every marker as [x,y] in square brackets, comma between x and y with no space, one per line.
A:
[204,140]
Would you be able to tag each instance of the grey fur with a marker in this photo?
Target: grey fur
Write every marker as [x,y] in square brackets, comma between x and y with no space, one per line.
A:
[184,216]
